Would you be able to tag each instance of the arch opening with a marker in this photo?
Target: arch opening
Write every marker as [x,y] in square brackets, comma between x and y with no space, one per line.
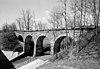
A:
[57,44]
[29,46]
[20,38]
[39,46]
[46,49]
[46,46]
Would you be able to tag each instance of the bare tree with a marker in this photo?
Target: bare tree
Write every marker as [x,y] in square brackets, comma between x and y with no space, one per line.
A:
[9,38]
[10,27]
[64,6]
[64,12]
[26,20]
[5,27]
[86,8]
[90,7]
[55,19]
[13,27]
[20,23]
[40,26]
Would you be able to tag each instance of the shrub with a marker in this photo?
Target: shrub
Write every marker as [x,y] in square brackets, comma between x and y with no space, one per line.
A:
[53,58]
[61,55]
[8,37]
[9,40]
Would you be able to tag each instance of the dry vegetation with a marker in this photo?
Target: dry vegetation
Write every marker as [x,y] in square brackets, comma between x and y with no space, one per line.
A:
[87,58]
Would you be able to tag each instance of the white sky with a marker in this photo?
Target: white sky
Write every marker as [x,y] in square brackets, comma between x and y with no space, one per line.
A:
[10,9]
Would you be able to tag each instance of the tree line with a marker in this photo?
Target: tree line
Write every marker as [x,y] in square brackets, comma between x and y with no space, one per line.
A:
[82,13]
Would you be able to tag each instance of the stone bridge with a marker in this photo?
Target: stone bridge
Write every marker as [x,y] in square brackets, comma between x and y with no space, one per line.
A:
[41,38]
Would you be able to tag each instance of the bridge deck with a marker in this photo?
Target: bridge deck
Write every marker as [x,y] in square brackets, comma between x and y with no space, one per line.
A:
[59,29]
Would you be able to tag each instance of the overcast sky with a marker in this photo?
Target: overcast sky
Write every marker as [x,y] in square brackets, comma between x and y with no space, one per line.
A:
[10,9]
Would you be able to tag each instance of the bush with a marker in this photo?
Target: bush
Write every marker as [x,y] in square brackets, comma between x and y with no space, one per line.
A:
[53,58]
[61,55]
[9,40]
[8,37]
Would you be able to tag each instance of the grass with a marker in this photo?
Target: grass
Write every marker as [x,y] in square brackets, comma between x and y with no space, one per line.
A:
[72,64]
[67,60]
[62,54]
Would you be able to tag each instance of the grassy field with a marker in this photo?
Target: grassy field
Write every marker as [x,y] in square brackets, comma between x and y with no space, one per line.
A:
[72,64]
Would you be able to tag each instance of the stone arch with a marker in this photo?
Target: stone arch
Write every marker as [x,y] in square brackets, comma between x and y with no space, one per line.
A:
[20,38]
[39,45]
[29,46]
[58,43]
[70,42]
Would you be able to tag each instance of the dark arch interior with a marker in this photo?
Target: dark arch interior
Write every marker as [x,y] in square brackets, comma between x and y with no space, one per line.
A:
[28,39]
[20,38]
[70,41]
[57,44]
[29,46]
[28,49]
[39,45]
